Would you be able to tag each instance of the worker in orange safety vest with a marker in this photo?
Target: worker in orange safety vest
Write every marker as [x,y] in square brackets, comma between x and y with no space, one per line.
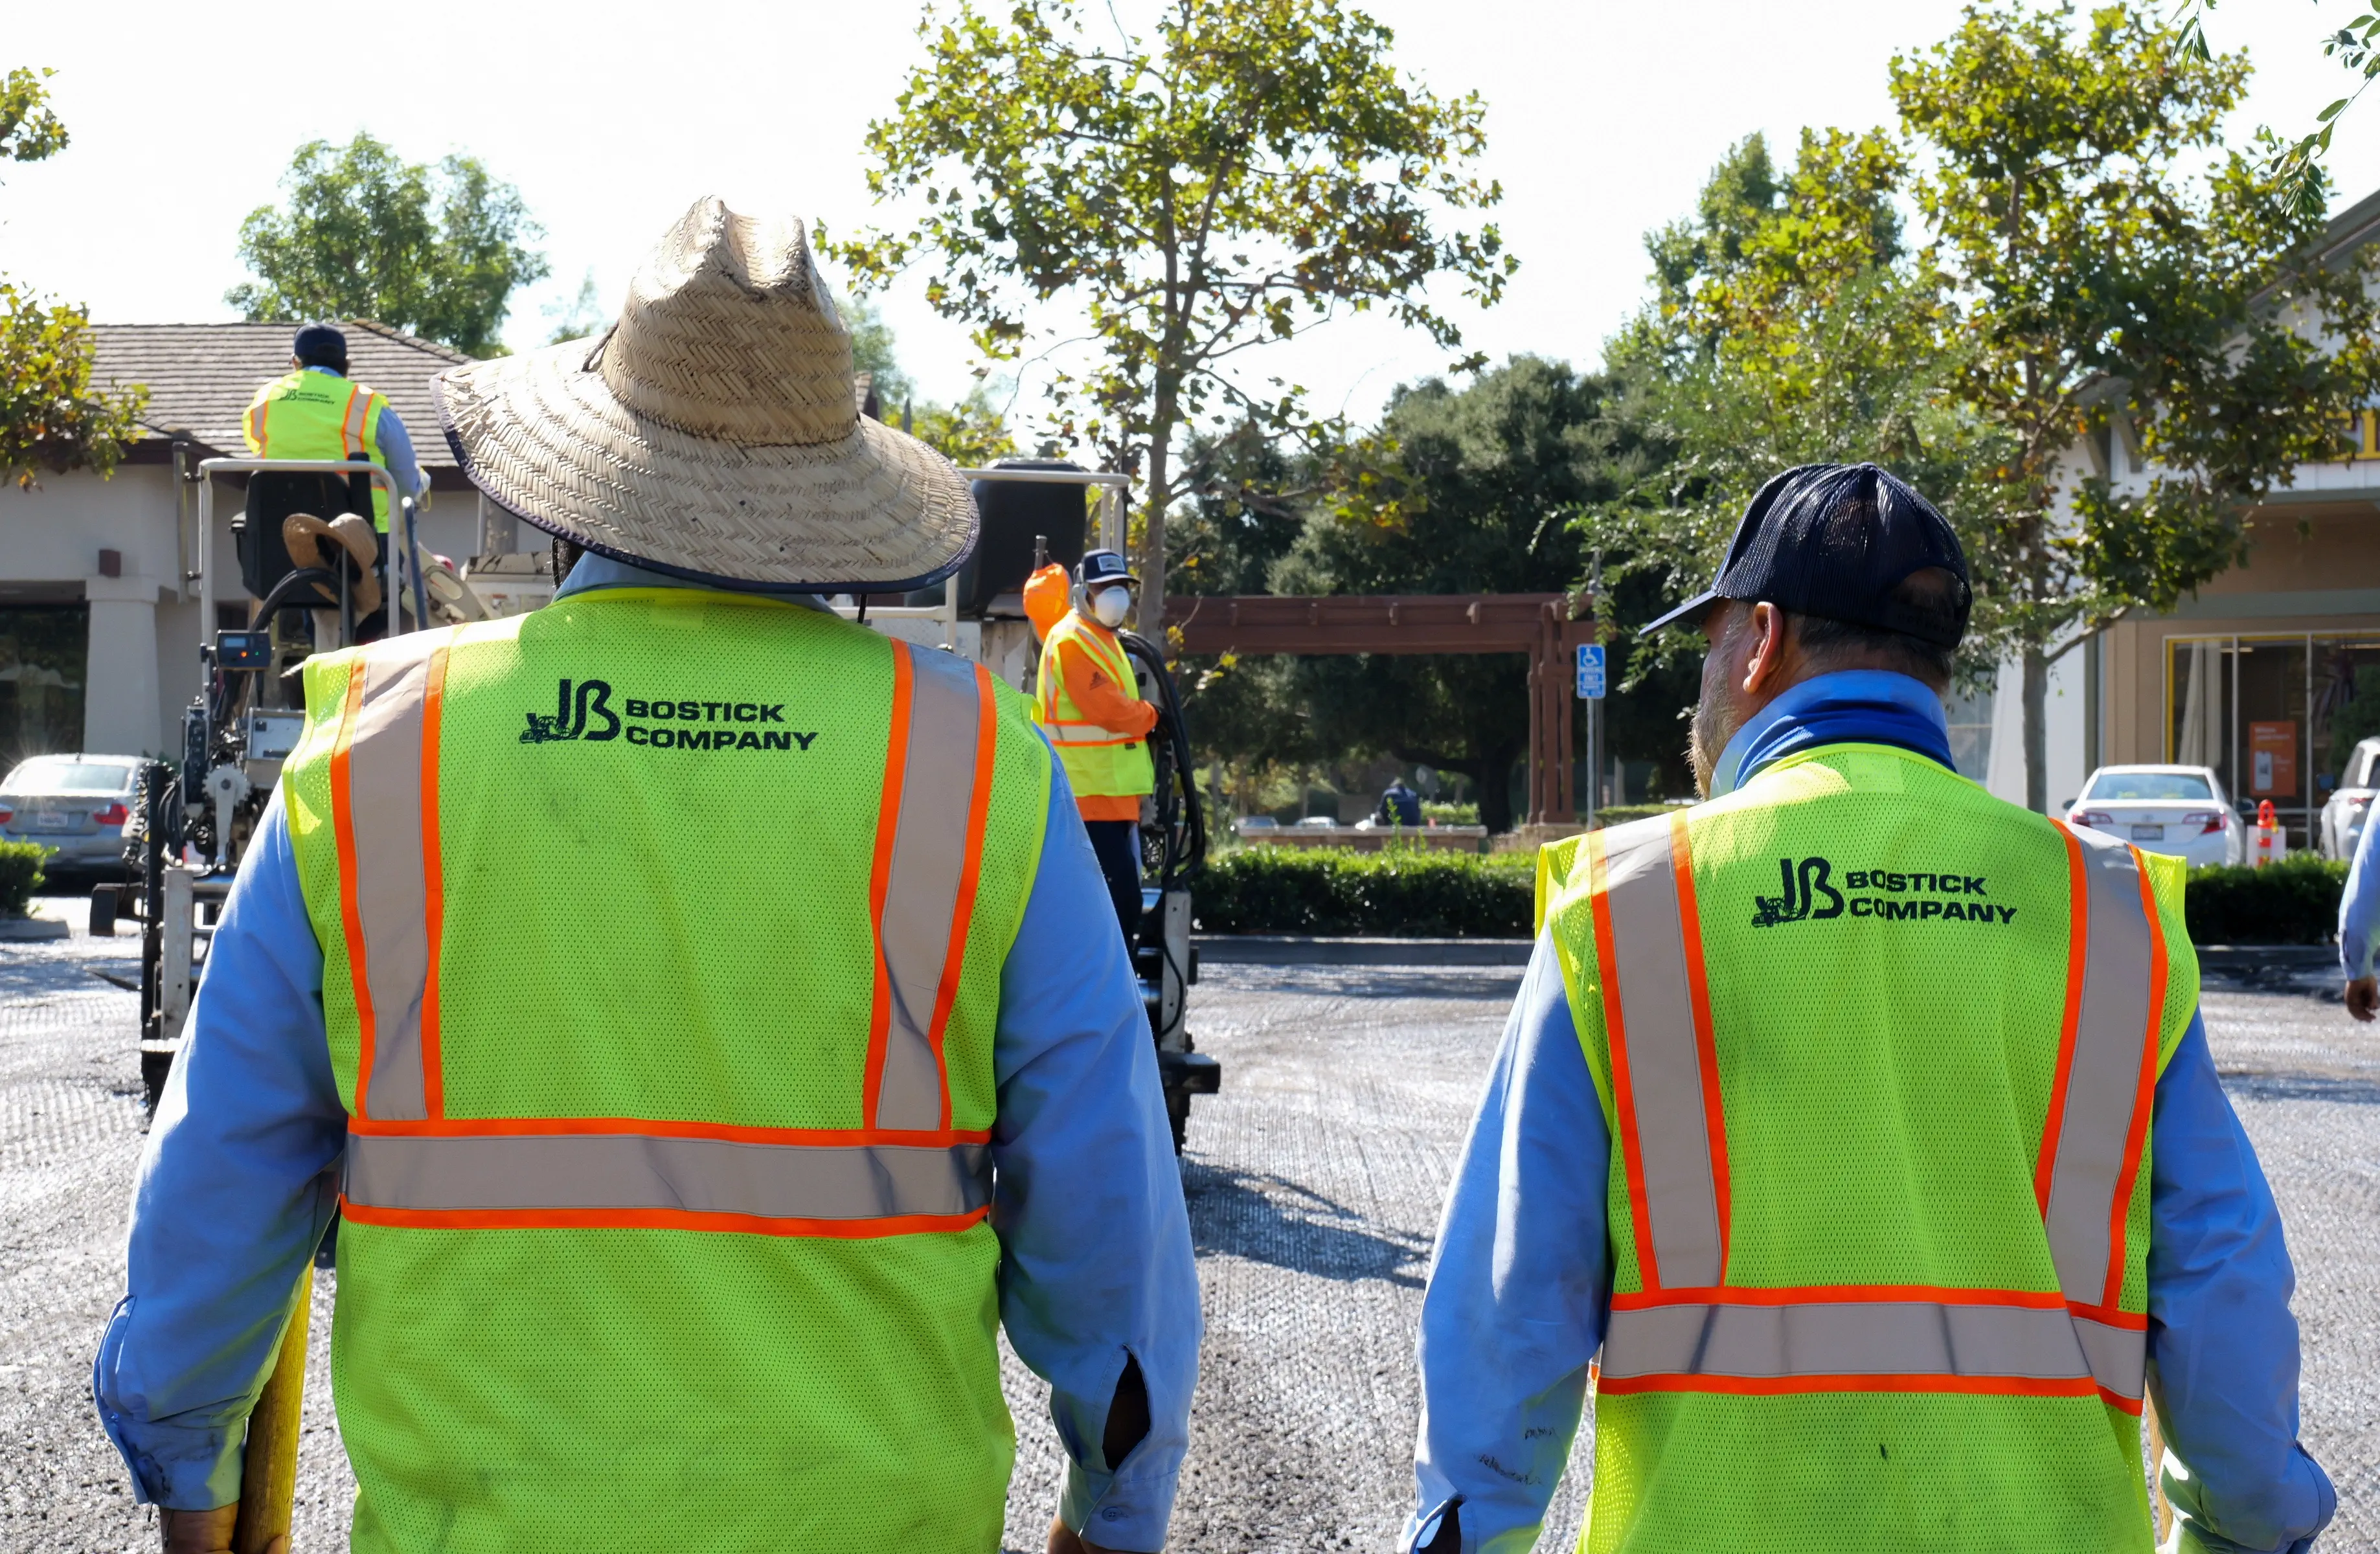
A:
[1090,707]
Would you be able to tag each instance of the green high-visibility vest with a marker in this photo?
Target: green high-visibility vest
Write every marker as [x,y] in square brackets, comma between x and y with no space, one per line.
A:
[1099,761]
[316,415]
[662,934]
[1877,1052]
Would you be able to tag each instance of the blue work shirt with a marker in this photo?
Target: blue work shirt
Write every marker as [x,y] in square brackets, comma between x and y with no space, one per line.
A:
[397,453]
[1520,1287]
[2359,909]
[239,1177]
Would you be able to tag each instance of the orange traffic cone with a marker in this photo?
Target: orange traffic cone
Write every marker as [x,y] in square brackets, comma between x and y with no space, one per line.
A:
[2268,835]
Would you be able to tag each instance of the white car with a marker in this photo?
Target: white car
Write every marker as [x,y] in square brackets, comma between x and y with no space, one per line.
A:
[75,806]
[2351,802]
[2181,810]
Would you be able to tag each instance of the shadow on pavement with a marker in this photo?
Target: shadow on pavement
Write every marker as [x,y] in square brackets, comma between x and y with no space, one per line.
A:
[1499,983]
[2303,1087]
[1267,1219]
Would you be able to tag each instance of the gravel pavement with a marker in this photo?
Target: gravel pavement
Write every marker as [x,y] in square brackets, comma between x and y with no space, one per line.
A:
[1314,1183]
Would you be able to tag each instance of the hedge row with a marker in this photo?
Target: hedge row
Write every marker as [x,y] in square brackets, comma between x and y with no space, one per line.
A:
[1428,894]
[20,874]
[1402,893]
[2294,901]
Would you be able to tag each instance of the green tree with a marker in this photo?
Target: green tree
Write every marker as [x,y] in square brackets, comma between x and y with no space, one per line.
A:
[580,318]
[2296,165]
[2092,273]
[51,416]
[1257,169]
[30,129]
[1487,479]
[1790,324]
[437,251]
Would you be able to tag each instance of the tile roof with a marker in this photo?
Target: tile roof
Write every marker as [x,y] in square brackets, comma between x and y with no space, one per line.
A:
[200,376]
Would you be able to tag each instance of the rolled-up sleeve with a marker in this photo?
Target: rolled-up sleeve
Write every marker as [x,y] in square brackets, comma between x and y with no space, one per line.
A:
[396,453]
[1095,1267]
[2223,1347]
[235,1187]
[1519,1287]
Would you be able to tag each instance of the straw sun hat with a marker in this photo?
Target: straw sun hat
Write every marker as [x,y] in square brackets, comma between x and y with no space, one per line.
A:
[711,432]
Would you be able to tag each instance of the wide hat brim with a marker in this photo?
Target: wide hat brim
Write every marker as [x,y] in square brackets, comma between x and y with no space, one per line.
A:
[545,437]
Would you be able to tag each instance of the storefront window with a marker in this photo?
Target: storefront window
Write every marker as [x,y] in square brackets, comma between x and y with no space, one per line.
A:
[2277,717]
[43,650]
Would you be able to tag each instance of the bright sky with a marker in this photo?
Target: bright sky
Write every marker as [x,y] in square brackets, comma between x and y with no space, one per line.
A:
[1603,120]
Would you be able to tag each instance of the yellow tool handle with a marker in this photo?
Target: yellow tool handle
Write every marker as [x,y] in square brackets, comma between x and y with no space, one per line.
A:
[2161,1509]
[268,1477]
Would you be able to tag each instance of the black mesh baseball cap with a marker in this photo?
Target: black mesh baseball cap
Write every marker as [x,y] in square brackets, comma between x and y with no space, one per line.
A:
[1836,539]
[321,345]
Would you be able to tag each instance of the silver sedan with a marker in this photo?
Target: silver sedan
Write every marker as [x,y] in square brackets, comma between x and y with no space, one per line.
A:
[75,806]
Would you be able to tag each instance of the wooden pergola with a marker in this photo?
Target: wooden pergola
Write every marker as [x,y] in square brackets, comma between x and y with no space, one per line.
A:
[1548,627]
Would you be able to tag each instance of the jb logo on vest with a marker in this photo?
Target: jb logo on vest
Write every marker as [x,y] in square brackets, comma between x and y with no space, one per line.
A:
[582,703]
[1808,896]
[1803,887]
[569,721]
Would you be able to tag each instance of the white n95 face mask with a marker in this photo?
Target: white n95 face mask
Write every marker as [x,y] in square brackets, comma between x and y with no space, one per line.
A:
[1111,605]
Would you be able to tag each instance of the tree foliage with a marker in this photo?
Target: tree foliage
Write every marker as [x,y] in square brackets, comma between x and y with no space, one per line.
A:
[1790,324]
[437,251]
[30,129]
[51,416]
[1256,168]
[2094,272]
[1486,477]
[2097,271]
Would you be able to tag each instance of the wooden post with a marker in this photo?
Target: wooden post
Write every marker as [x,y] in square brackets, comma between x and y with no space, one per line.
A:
[268,1479]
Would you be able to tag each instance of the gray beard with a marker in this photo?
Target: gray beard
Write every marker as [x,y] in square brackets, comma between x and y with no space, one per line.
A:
[1714,724]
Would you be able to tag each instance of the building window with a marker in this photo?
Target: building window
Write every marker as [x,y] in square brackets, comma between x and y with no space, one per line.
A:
[1970,717]
[43,651]
[2277,717]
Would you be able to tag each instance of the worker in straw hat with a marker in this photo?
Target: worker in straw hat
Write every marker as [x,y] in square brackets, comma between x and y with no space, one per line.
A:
[699,1008]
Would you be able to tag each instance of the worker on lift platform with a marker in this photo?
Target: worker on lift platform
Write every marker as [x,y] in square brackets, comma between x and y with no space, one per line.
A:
[1092,710]
[313,411]
[692,1127]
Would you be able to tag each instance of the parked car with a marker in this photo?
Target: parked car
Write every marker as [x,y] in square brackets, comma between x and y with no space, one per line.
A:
[2177,809]
[2351,802]
[76,805]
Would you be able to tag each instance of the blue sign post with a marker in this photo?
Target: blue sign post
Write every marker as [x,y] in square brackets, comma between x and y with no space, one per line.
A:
[1590,671]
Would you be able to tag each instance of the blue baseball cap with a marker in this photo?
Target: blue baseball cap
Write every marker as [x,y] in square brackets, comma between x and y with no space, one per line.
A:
[1103,566]
[321,345]
[1836,539]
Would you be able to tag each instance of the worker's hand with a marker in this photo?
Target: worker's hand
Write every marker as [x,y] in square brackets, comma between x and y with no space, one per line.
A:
[1065,1540]
[208,1532]
[2363,998]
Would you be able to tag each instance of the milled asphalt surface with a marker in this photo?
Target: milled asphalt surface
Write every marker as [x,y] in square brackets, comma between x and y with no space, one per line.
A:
[1314,1184]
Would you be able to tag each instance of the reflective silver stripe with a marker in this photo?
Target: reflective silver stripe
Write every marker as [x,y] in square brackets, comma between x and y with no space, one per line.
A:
[1843,1338]
[921,895]
[1089,734]
[2118,1357]
[384,803]
[1664,1067]
[529,1172]
[2103,1086]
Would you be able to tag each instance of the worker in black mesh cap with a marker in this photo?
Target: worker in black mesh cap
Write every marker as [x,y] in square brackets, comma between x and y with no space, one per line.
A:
[1862,1126]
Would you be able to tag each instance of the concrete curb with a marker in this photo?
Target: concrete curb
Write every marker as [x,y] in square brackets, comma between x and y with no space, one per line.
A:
[2248,957]
[1284,949]
[1289,948]
[20,931]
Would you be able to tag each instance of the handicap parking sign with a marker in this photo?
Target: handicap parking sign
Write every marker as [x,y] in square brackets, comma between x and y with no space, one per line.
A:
[1590,671]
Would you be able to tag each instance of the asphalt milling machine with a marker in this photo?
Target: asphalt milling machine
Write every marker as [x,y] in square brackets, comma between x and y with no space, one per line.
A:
[320,585]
